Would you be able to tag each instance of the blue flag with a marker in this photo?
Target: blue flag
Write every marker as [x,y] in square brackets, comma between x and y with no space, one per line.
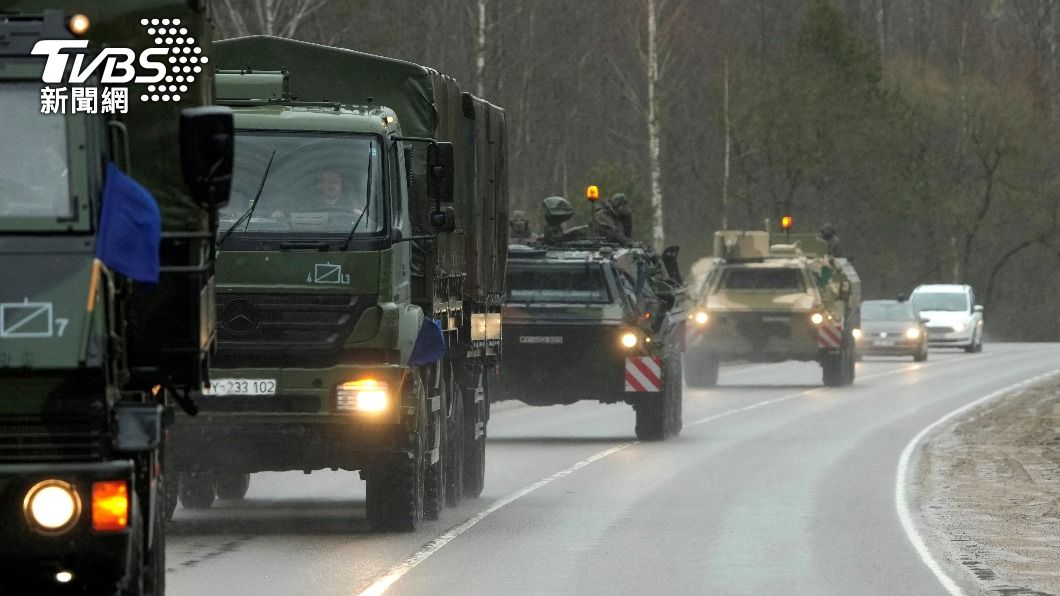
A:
[130,228]
[430,344]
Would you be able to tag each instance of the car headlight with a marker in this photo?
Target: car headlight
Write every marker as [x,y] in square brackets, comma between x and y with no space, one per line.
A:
[364,395]
[816,318]
[958,327]
[912,333]
[52,506]
[856,333]
[629,339]
[701,317]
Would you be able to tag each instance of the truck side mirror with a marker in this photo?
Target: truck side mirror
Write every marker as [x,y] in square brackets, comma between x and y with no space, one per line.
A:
[206,153]
[443,220]
[440,173]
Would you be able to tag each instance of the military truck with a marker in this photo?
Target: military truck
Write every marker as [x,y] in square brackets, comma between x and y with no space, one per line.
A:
[88,357]
[764,302]
[360,280]
[586,319]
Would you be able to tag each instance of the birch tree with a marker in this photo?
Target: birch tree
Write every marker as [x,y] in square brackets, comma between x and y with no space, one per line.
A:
[282,18]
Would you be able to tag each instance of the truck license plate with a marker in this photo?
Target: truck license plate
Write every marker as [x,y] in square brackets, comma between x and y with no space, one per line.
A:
[241,387]
[541,339]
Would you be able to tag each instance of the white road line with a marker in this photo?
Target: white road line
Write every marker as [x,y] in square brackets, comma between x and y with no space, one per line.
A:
[901,500]
[380,585]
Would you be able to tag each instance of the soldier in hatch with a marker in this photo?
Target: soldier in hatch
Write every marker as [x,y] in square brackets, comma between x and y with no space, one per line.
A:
[613,220]
[519,229]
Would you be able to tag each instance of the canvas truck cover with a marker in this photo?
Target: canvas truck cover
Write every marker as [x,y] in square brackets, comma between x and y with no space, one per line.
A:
[428,104]
[153,126]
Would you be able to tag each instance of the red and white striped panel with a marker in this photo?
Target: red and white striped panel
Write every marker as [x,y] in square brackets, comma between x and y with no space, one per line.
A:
[643,374]
[829,336]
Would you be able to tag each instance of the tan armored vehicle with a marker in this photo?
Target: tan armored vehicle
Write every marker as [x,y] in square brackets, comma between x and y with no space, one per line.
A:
[762,302]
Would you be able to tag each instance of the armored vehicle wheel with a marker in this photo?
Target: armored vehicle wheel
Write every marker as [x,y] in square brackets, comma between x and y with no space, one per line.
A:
[133,583]
[655,411]
[396,482]
[232,486]
[476,415]
[454,452]
[703,372]
[196,491]
[675,394]
[434,471]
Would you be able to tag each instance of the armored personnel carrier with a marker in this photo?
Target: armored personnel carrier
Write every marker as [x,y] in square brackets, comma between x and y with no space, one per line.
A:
[586,319]
[764,302]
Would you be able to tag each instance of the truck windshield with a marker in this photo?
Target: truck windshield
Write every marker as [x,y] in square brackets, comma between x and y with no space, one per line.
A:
[34,178]
[769,280]
[950,301]
[574,283]
[315,184]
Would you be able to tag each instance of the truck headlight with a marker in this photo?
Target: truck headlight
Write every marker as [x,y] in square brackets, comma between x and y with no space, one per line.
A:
[855,333]
[629,339]
[816,318]
[912,333]
[701,317]
[52,506]
[364,395]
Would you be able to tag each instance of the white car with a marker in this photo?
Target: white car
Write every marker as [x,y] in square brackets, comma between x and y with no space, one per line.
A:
[952,317]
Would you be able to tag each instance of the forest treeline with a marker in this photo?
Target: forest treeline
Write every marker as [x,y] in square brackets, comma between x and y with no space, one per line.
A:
[925,131]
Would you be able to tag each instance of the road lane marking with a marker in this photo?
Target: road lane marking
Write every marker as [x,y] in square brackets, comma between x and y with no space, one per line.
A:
[901,501]
[790,396]
[380,585]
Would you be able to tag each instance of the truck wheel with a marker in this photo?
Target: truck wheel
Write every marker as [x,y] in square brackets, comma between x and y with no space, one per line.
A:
[170,498]
[832,369]
[655,418]
[476,415]
[231,486]
[196,491]
[396,482]
[454,452]
[133,583]
[703,373]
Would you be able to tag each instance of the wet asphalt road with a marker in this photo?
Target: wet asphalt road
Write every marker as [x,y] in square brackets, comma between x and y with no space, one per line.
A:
[776,486]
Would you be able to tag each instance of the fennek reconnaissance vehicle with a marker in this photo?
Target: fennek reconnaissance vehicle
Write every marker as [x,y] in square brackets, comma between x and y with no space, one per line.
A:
[91,361]
[763,302]
[586,319]
[360,279]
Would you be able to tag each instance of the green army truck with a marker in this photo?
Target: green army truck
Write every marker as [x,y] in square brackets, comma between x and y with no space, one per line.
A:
[88,356]
[763,302]
[360,279]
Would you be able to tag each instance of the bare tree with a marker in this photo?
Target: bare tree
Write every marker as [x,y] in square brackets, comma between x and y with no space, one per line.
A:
[267,17]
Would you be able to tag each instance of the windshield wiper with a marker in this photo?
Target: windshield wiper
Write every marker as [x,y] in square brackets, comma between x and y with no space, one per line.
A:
[253,204]
[367,204]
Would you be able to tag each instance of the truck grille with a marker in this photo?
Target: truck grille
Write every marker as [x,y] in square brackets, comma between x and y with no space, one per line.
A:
[265,330]
[28,439]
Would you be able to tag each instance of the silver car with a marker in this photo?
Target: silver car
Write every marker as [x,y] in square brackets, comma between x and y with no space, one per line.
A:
[953,318]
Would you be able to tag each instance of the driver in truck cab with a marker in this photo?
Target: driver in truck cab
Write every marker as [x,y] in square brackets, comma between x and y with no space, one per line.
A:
[330,196]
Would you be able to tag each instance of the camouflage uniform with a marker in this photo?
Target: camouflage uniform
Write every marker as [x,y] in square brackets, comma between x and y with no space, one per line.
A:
[613,220]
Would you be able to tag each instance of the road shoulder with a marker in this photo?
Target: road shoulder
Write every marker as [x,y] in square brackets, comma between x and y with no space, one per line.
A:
[988,491]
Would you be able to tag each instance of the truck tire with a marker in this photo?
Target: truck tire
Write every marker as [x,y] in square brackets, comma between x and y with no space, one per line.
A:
[703,373]
[396,482]
[231,486]
[476,416]
[133,582]
[170,496]
[454,452]
[655,411]
[196,491]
